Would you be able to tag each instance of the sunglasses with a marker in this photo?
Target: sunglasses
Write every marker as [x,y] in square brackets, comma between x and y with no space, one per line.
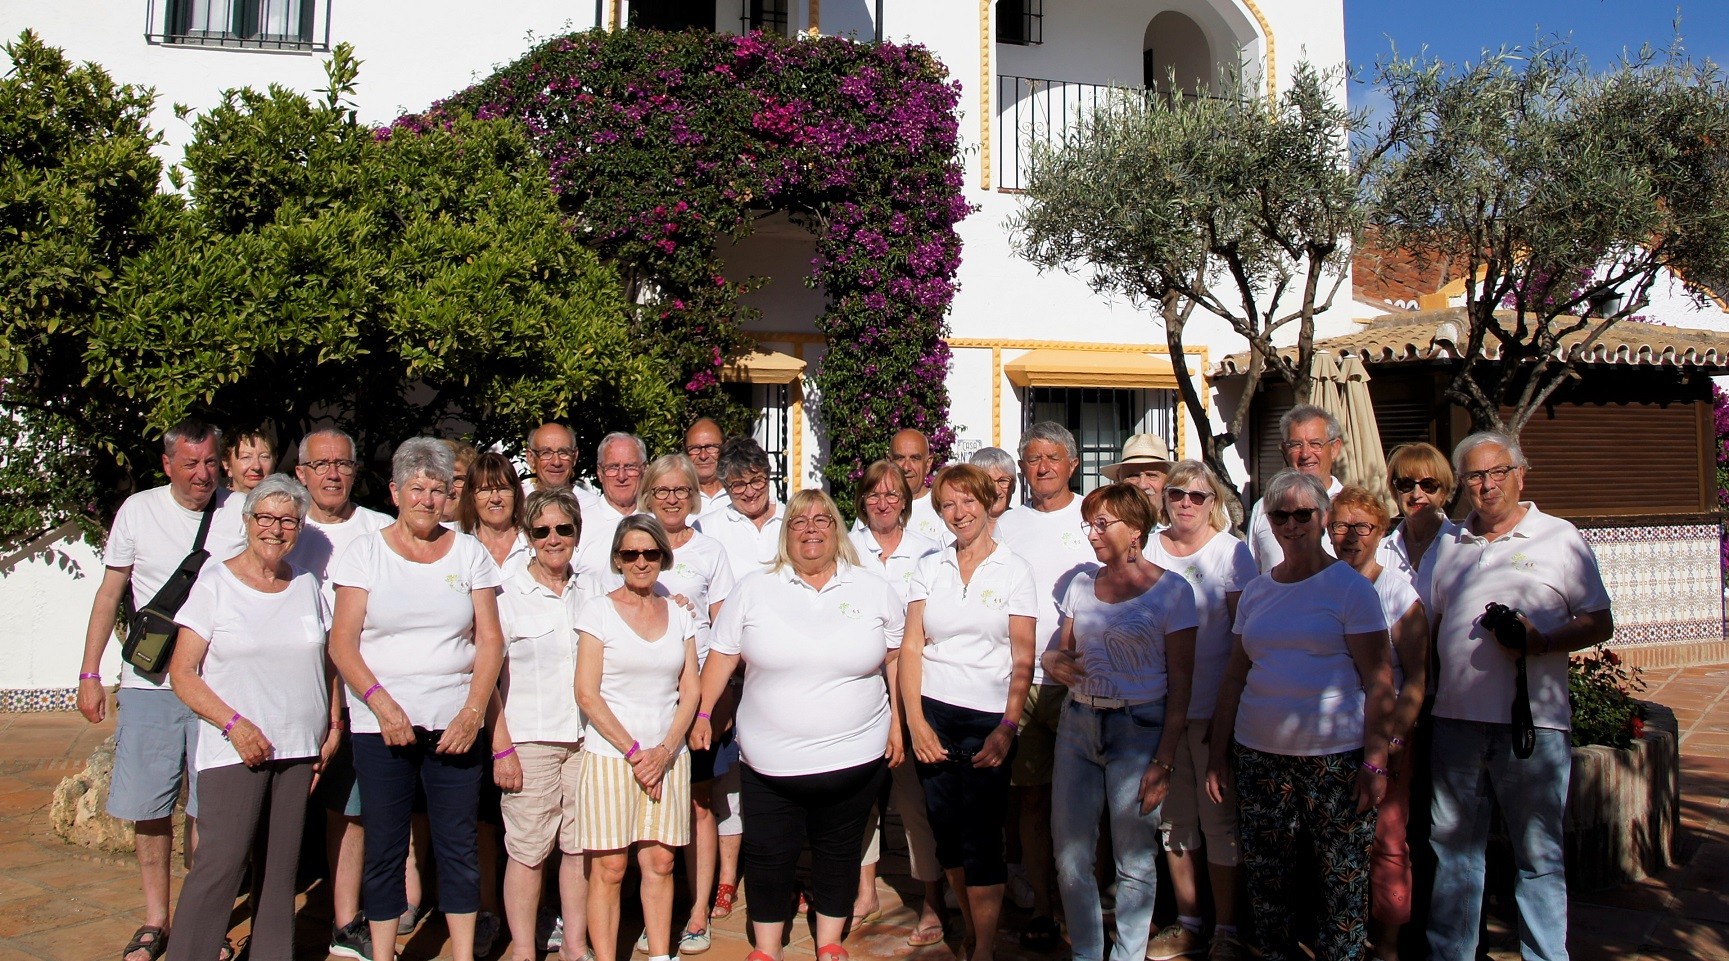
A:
[1301,515]
[1176,495]
[542,532]
[652,555]
[1405,485]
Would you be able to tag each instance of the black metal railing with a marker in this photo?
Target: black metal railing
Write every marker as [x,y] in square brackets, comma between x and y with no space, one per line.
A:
[278,25]
[1033,111]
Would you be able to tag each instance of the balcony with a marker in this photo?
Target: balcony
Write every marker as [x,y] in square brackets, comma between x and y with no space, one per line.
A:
[285,26]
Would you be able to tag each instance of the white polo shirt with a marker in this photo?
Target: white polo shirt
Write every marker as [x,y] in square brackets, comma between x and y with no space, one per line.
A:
[152,534]
[1222,566]
[1542,567]
[713,503]
[967,660]
[1397,596]
[899,565]
[594,545]
[814,696]
[1052,542]
[926,522]
[540,658]
[319,545]
[1264,543]
[1393,552]
[748,547]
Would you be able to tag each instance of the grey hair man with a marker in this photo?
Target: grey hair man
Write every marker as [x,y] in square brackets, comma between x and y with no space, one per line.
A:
[619,460]
[157,735]
[1552,601]
[1311,440]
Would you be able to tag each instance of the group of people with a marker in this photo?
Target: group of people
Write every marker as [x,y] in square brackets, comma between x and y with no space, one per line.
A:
[676,659]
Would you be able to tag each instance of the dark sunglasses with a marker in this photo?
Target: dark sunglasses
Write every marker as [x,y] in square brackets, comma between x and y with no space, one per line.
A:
[542,532]
[1301,515]
[1404,485]
[652,555]
[1197,498]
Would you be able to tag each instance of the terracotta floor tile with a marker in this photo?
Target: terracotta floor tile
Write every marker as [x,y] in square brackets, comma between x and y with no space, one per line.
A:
[1696,939]
[45,912]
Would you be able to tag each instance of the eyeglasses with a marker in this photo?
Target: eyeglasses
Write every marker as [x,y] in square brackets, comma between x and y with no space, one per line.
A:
[284,521]
[883,497]
[652,555]
[1476,478]
[625,470]
[671,493]
[1176,495]
[740,486]
[1314,446]
[541,532]
[696,449]
[1301,515]
[555,453]
[819,522]
[320,466]
[1361,529]
[1099,526]
[1405,485]
[484,492]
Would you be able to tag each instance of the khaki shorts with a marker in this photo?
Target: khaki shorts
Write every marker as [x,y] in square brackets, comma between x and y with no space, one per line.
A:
[1188,814]
[544,811]
[1036,748]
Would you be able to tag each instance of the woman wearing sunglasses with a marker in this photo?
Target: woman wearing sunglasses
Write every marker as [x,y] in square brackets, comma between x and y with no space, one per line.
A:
[1302,721]
[537,743]
[636,682]
[1198,545]
[1422,483]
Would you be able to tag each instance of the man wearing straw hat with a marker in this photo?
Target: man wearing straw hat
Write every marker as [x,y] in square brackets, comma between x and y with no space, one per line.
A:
[1146,461]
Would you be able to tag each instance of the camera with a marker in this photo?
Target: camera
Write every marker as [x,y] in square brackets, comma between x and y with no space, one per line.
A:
[1507,626]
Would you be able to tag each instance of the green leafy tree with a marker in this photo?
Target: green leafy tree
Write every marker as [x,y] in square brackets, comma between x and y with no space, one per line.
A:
[1236,205]
[1559,195]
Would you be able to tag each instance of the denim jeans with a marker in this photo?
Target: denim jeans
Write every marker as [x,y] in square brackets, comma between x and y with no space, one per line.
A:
[1101,756]
[1474,766]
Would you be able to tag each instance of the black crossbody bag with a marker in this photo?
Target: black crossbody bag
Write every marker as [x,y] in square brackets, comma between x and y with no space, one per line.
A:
[150,634]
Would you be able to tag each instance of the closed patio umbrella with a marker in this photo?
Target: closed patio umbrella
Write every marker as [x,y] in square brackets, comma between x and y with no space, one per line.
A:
[1365,464]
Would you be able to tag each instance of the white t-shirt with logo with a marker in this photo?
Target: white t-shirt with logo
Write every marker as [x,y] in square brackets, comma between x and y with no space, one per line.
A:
[265,660]
[1052,542]
[1222,566]
[418,637]
[814,698]
[898,567]
[1122,643]
[1303,696]
[152,534]
[320,544]
[639,676]
[967,659]
[1264,541]
[538,682]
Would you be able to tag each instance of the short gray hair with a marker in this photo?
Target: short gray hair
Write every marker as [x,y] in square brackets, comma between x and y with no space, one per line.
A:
[337,432]
[614,437]
[740,456]
[1290,482]
[993,458]
[557,498]
[1051,432]
[423,455]
[279,485]
[1302,414]
[1499,439]
[190,431]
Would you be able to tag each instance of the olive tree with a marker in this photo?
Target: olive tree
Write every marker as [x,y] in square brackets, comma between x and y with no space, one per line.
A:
[1237,205]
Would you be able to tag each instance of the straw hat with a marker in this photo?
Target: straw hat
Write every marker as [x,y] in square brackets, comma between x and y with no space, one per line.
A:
[1140,449]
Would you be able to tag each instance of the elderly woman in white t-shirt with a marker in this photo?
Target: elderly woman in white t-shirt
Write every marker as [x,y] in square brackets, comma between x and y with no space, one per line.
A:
[250,662]
[636,681]
[1199,546]
[1302,723]
[537,743]
[1359,519]
[967,666]
[417,640]
[816,724]
[1125,653]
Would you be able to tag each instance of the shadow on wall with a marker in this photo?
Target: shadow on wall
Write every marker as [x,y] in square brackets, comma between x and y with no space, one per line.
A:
[50,549]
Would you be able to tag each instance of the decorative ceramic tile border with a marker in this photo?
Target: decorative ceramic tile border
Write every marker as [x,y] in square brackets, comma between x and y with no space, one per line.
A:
[1665,580]
[20,700]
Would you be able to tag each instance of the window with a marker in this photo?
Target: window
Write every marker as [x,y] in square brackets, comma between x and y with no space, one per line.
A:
[672,14]
[1021,22]
[260,24]
[1102,420]
[769,16]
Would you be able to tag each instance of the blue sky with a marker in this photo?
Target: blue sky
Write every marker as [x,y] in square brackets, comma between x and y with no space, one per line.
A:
[1456,30]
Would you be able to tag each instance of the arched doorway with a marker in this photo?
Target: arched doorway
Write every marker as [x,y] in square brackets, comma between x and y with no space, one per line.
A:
[1176,57]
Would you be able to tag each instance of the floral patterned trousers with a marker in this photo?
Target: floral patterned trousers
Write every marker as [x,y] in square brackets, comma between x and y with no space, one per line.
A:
[1284,801]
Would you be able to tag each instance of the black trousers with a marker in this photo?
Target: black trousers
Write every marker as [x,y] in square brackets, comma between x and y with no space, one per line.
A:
[967,804]
[780,813]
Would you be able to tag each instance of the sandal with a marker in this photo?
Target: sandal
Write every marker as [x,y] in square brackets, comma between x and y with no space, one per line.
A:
[226,952]
[832,952]
[923,937]
[154,947]
[758,956]
[724,895]
[1041,934]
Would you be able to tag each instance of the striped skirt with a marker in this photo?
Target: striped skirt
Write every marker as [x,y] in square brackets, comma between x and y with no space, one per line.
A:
[613,811]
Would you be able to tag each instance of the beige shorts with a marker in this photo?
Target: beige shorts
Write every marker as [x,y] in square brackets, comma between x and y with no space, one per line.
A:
[613,811]
[544,811]
[1188,814]
[1036,747]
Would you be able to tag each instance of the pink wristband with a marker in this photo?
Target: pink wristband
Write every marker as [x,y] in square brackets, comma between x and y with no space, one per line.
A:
[501,755]
[374,689]
[702,714]
[634,748]
[90,677]
[226,728]
[1375,770]
[1013,726]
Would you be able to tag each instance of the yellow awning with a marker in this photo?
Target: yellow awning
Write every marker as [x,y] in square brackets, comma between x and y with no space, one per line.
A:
[1050,367]
[763,367]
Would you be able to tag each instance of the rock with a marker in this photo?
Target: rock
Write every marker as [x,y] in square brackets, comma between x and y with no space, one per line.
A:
[79,814]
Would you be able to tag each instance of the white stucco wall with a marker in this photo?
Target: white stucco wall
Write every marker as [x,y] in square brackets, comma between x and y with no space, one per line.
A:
[46,589]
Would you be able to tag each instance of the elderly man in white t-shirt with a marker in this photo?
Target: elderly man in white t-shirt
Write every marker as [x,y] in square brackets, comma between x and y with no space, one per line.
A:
[1047,534]
[620,461]
[156,734]
[702,443]
[911,451]
[1506,552]
[1311,441]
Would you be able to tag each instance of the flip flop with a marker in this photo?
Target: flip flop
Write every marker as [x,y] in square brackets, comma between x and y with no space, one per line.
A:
[154,947]
[860,920]
[926,936]
[832,952]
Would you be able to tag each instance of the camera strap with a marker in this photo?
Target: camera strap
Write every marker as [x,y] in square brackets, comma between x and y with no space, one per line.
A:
[1524,728]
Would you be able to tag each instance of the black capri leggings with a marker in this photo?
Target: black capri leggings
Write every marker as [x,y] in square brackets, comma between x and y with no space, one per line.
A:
[829,808]
[966,804]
